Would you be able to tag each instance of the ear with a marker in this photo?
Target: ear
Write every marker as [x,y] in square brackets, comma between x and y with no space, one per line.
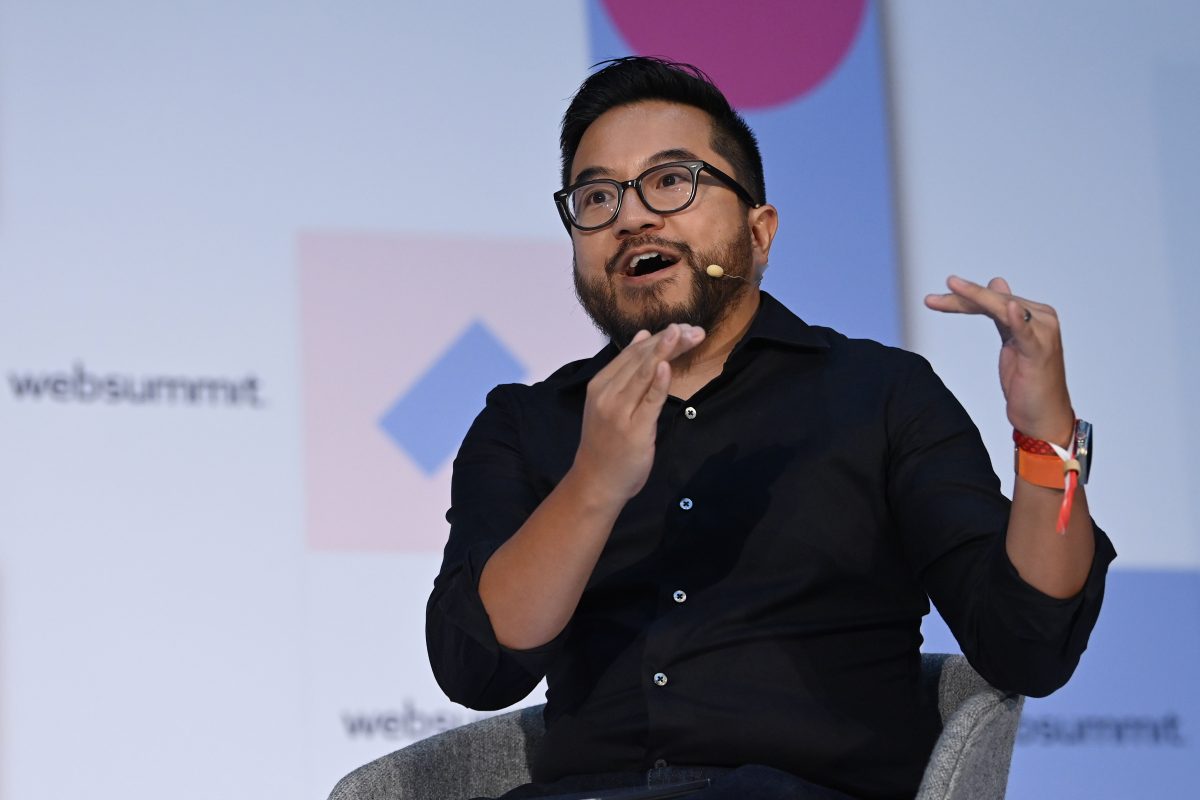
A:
[764,221]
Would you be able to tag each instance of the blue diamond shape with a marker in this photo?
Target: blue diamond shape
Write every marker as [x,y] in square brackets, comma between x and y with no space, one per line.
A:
[429,421]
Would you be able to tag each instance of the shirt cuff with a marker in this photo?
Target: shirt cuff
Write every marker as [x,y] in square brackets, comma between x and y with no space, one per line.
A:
[464,608]
[1035,615]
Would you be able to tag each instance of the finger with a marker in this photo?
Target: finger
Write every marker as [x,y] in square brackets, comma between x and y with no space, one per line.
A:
[641,356]
[640,382]
[968,297]
[998,284]
[1034,305]
[652,401]
[665,349]
[988,300]
[952,304]
[1005,327]
[669,343]
[1027,308]
[690,337]
[959,300]
[1020,329]
[615,365]
[1000,287]
[632,377]
[618,370]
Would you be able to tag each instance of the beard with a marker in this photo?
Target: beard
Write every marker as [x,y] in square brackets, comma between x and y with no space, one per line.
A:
[710,300]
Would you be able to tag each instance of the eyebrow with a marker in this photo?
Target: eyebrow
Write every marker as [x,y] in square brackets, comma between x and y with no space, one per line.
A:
[672,154]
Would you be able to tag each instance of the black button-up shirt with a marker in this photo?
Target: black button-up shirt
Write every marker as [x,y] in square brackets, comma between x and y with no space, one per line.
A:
[760,600]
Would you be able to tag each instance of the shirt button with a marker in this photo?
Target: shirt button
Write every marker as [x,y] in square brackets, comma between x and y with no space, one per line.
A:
[686,504]
[689,412]
[660,763]
[660,679]
[679,596]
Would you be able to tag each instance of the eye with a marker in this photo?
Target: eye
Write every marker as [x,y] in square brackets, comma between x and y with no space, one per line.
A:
[593,196]
[671,179]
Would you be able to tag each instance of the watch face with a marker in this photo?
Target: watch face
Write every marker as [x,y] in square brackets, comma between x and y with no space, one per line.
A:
[1084,445]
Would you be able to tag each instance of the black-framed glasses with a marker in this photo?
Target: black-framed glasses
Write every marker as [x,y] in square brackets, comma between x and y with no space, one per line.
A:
[664,189]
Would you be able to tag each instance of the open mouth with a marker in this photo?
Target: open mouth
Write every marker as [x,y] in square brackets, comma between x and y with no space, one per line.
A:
[648,263]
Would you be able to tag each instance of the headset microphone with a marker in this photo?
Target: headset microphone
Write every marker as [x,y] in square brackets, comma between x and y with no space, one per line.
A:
[717,271]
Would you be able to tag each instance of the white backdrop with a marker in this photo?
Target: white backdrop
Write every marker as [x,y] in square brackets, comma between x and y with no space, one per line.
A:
[1038,145]
[1054,144]
[186,189]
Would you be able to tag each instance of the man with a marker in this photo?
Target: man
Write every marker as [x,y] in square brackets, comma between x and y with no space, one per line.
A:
[717,537]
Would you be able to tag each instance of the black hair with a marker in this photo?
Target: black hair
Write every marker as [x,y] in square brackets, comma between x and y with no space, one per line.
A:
[623,81]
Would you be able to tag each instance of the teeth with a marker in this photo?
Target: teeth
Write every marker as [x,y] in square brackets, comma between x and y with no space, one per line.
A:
[633,262]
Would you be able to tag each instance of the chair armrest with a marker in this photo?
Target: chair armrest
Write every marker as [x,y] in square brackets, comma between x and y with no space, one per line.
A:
[485,758]
[972,756]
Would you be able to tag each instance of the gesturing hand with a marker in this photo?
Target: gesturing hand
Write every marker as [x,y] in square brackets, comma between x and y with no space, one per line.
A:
[1032,373]
[620,416]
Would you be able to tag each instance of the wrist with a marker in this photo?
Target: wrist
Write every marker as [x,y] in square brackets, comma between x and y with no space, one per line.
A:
[1059,430]
[593,489]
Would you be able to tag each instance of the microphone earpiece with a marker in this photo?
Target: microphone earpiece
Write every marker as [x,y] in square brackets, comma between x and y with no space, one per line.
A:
[717,271]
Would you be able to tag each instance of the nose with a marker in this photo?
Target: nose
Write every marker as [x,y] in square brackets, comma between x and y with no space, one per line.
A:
[634,217]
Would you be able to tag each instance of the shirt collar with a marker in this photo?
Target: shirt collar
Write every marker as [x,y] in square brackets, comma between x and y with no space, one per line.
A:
[773,323]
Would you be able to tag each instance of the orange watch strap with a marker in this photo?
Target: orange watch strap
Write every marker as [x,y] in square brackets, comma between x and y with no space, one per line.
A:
[1039,469]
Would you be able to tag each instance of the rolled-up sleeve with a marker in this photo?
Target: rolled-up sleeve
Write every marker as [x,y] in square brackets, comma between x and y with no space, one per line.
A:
[490,498]
[948,506]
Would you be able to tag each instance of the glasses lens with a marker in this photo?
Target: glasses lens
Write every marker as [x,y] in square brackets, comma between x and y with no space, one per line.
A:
[594,204]
[668,188]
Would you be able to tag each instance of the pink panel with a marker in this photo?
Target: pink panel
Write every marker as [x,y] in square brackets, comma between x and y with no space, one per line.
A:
[376,312]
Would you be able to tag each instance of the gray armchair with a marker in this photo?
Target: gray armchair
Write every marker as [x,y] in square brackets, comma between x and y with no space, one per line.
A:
[489,757]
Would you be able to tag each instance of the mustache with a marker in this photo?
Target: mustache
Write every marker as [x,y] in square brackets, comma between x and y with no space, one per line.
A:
[685,251]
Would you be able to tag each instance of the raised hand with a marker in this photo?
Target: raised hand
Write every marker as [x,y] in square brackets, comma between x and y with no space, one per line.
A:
[1032,372]
[532,583]
[620,416]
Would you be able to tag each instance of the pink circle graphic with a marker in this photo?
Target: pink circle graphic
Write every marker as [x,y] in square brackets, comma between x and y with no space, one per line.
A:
[761,53]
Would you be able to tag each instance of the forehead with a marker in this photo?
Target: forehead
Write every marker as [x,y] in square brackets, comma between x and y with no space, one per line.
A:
[622,140]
